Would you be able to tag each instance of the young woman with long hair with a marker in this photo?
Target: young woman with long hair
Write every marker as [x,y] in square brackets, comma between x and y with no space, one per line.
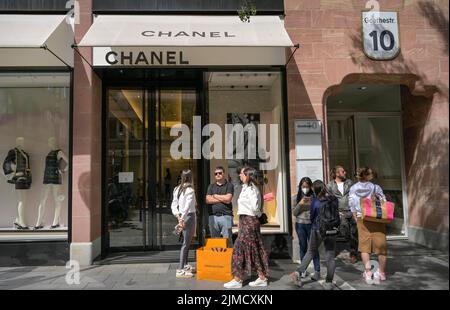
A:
[249,253]
[184,209]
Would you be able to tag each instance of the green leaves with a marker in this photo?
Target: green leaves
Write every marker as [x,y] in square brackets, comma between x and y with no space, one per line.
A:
[247,10]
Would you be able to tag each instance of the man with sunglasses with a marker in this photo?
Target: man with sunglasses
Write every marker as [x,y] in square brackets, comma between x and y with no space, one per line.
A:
[220,209]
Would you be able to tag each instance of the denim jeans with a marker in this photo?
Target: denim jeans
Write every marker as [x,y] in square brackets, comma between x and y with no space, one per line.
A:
[313,249]
[221,226]
[304,233]
[188,234]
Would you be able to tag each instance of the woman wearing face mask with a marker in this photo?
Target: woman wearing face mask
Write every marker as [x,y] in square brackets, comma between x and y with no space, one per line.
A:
[301,211]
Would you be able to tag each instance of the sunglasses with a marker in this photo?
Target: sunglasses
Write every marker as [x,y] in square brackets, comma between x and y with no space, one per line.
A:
[218,173]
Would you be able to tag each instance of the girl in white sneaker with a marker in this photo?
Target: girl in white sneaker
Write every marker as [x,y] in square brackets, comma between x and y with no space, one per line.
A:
[248,251]
[183,208]
[371,235]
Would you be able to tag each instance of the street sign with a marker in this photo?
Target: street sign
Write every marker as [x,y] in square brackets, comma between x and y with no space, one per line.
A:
[380,33]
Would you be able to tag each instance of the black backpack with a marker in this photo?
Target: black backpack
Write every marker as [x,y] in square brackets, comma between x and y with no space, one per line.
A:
[329,218]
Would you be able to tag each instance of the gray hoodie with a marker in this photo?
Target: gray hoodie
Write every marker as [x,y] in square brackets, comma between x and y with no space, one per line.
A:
[363,190]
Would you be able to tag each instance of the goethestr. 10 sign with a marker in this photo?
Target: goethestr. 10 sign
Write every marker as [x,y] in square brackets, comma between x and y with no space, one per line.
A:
[380,32]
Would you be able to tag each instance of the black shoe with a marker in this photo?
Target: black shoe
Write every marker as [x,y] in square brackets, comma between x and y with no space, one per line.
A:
[38,227]
[54,226]
[20,227]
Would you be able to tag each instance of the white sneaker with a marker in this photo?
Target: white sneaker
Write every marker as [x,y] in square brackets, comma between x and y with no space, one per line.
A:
[378,277]
[329,286]
[368,277]
[259,282]
[233,284]
[182,273]
[189,268]
[296,278]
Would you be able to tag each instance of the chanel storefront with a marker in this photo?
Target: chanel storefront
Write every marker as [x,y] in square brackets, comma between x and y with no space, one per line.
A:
[170,87]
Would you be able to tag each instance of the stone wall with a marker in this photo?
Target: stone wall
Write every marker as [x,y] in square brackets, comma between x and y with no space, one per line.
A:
[331,54]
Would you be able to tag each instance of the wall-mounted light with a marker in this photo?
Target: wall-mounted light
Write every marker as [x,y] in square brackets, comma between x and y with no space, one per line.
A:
[362,88]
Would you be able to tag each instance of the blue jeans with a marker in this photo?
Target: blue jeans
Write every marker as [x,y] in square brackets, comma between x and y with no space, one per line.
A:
[304,235]
[188,234]
[220,226]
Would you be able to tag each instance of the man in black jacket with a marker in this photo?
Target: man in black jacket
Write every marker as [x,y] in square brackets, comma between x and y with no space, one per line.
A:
[340,187]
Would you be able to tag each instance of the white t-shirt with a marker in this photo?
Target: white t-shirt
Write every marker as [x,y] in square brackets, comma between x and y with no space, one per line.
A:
[249,201]
[341,187]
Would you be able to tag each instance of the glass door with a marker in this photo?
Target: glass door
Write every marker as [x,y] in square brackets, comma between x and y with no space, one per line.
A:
[125,169]
[140,171]
[373,140]
[341,143]
[173,108]
[379,146]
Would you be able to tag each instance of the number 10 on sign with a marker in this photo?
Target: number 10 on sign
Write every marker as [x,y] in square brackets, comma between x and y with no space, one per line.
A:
[380,32]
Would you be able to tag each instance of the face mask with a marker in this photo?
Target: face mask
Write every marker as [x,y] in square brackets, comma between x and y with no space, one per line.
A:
[305,190]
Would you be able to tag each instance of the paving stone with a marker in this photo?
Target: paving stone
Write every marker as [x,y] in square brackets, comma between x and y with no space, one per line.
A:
[406,270]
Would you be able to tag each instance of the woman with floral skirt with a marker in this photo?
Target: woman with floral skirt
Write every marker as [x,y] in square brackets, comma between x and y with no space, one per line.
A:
[248,252]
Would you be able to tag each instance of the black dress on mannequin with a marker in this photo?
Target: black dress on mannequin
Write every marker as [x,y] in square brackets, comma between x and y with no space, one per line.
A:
[52,172]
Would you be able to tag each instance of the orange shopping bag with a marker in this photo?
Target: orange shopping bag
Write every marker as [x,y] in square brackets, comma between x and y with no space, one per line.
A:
[214,260]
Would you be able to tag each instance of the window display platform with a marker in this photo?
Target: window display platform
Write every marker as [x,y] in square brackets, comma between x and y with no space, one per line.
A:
[25,236]
[45,229]
[34,253]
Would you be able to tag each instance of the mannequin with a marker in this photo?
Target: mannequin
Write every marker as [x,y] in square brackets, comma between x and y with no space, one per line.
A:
[52,182]
[16,168]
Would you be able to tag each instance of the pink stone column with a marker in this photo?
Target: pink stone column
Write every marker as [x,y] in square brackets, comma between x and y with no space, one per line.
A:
[86,182]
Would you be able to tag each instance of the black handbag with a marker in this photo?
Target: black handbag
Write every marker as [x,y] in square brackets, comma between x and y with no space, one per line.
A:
[263,219]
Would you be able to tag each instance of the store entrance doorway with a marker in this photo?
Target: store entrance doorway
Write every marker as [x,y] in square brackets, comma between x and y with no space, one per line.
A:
[139,172]
[364,126]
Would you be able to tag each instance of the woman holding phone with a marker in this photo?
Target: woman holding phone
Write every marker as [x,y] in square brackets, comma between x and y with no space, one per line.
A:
[303,224]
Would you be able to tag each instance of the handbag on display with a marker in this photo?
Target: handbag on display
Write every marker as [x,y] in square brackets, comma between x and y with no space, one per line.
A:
[270,195]
[377,210]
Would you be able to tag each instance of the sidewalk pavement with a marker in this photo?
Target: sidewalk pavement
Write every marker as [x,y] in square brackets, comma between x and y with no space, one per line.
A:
[410,267]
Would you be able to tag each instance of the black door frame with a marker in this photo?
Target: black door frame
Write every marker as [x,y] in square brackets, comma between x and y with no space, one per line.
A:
[149,89]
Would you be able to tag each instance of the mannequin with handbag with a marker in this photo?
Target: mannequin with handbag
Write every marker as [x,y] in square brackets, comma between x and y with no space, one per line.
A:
[16,168]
